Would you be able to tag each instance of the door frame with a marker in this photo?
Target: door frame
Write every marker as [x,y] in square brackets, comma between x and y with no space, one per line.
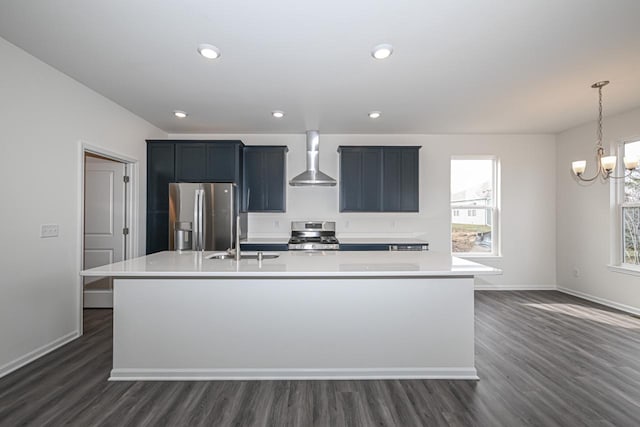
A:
[132,209]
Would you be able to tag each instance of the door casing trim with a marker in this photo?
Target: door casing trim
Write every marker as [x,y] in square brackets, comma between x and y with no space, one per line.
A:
[132,209]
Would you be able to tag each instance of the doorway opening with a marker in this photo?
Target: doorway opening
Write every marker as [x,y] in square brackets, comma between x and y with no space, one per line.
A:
[108,218]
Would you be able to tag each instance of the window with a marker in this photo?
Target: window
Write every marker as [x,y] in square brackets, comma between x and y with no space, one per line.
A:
[474,193]
[629,195]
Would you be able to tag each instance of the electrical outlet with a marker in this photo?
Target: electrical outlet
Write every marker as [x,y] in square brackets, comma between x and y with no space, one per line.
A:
[276,224]
[576,272]
[48,230]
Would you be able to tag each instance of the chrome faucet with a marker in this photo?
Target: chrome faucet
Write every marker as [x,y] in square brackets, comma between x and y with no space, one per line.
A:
[235,252]
[238,238]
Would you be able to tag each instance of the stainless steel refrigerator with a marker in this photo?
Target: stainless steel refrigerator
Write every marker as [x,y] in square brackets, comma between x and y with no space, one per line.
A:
[202,216]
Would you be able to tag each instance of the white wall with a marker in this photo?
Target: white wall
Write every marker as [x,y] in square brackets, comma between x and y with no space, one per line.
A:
[43,116]
[585,217]
[528,197]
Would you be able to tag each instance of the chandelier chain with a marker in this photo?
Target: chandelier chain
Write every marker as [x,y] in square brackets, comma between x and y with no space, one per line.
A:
[600,117]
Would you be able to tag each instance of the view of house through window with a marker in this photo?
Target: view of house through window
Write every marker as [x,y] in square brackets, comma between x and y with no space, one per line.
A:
[473,206]
[631,211]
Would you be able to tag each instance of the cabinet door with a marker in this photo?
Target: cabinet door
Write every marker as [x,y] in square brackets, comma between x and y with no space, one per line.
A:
[157,231]
[360,179]
[274,169]
[276,247]
[222,162]
[160,172]
[265,178]
[400,179]
[254,188]
[372,180]
[191,162]
[364,247]
[208,161]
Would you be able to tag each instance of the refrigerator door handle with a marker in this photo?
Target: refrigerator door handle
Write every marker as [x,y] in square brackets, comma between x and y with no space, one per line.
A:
[195,221]
[197,236]
[201,218]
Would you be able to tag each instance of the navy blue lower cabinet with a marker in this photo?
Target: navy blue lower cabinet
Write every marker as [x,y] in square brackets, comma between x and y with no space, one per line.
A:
[413,246]
[364,247]
[274,247]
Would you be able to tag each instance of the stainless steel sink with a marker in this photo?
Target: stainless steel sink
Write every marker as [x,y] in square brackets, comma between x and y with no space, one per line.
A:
[249,255]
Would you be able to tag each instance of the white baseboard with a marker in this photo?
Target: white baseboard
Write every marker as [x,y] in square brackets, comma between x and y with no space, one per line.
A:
[487,287]
[98,299]
[37,353]
[603,301]
[291,374]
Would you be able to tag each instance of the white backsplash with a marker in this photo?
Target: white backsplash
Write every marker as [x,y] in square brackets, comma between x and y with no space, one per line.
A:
[347,225]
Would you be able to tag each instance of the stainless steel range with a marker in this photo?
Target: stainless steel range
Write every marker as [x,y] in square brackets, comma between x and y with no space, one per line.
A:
[313,236]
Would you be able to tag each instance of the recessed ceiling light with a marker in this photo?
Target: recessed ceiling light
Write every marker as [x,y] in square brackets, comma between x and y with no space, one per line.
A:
[277,114]
[382,51]
[374,114]
[180,114]
[209,51]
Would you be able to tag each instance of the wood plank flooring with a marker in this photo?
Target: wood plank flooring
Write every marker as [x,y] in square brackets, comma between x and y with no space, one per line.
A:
[544,359]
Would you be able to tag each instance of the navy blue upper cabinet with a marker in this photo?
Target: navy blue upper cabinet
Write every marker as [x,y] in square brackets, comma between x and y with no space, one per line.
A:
[360,179]
[209,161]
[264,184]
[400,183]
[379,178]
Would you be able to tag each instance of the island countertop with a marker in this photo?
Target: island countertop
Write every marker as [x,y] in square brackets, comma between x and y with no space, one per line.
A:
[173,264]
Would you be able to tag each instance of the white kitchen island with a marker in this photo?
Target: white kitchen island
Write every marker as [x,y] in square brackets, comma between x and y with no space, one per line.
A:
[331,315]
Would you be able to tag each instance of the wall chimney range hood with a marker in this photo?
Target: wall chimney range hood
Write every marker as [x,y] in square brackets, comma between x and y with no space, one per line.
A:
[312,176]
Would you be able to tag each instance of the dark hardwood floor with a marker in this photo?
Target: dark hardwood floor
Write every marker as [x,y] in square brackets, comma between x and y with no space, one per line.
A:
[544,359]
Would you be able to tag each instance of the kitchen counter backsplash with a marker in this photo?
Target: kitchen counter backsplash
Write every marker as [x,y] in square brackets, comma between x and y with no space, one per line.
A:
[346,239]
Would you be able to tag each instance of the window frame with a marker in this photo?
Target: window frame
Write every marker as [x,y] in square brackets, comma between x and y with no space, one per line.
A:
[618,203]
[493,217]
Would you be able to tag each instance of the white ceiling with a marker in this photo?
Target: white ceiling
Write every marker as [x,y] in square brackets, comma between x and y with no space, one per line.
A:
[459,66]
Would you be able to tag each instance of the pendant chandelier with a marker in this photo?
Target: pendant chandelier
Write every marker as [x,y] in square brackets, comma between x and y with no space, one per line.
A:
[605,164]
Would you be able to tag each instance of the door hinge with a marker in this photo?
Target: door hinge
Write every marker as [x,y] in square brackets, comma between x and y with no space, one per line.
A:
[125,231]
[125,179]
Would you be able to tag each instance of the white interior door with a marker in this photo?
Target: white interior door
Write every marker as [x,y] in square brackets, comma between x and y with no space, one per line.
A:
[104,225]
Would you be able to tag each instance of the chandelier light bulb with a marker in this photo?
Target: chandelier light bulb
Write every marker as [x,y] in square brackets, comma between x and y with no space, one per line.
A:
[630,162]
[608,163]
[579,166]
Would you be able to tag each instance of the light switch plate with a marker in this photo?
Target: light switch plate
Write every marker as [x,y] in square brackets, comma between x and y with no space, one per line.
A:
[49,230]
